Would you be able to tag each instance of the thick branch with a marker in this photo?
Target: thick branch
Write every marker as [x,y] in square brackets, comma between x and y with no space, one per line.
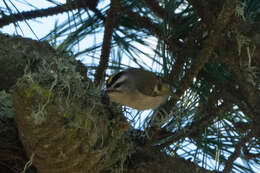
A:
[70,125]
[207,10]
[243,89]
[13,63]
[209,44]
[145,161]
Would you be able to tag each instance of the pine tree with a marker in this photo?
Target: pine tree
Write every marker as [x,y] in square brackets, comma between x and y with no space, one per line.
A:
[55,118]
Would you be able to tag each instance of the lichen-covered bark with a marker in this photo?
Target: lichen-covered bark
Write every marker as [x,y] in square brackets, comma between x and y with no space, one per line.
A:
[62,123]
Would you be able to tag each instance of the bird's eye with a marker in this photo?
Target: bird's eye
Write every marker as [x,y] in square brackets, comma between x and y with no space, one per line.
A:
[118,84]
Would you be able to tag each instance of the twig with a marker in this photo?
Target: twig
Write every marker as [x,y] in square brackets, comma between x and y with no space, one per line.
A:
[207,10]
[107,39]
[155,7]
[186,51]
[250,155]
[209,111]
[154,28]
[235,155]
[210,44]
[29,163]
[145,22]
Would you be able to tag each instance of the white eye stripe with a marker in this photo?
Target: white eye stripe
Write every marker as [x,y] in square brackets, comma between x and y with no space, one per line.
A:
[120,80]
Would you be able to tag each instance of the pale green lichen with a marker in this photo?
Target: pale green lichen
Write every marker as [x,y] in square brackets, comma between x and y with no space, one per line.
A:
[57,91]
[240,10]
[246,65]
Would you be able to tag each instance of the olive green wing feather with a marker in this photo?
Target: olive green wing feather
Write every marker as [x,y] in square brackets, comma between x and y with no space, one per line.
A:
[149,81]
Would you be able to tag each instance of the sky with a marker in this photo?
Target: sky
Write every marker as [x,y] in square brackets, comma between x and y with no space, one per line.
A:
[40,26]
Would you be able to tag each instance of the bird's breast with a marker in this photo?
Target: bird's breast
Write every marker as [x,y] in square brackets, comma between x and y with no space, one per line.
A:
[137,100]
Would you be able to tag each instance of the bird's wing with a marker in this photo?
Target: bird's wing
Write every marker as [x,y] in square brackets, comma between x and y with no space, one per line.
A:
[150,80]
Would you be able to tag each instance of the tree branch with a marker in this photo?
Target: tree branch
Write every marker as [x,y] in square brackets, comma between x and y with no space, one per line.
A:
[156,8]
[235,155]
[6,20]
[209,111]
[107,39]
[144,160]
[250,155]
[207,10]
[70,124]
[145,22]
[209,46]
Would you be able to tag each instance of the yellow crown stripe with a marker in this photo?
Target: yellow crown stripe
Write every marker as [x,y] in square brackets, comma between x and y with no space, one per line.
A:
[111,78]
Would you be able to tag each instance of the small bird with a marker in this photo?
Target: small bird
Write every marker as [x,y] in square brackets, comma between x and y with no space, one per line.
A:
[137,88]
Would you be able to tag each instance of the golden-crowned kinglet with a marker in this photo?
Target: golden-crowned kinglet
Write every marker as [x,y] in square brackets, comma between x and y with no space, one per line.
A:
[137,88]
